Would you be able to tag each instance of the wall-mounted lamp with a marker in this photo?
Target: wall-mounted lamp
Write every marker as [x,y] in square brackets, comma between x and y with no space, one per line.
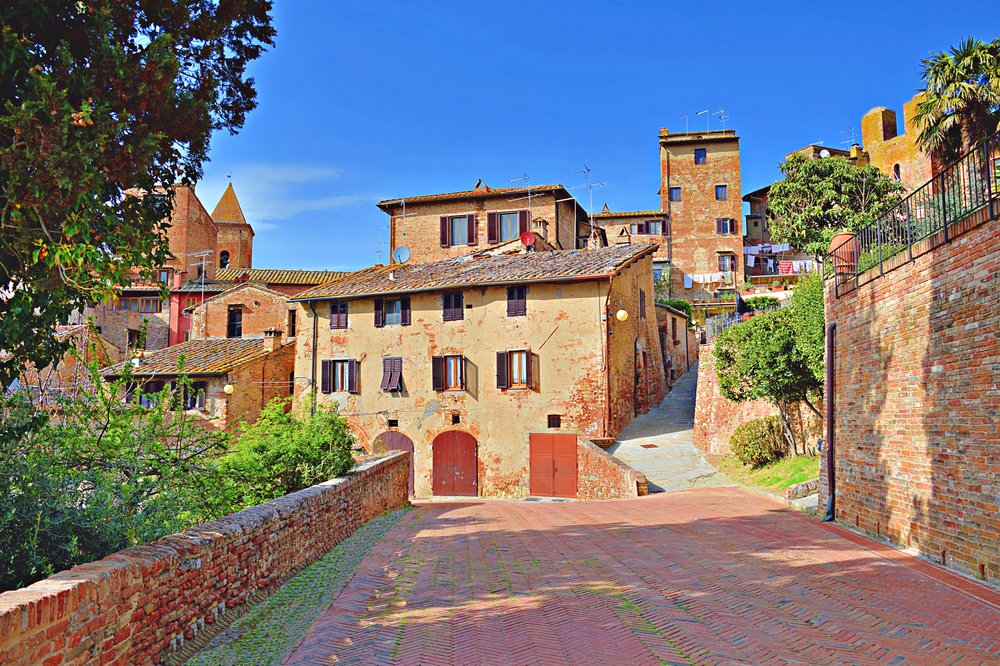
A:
[621,315]
[228,389]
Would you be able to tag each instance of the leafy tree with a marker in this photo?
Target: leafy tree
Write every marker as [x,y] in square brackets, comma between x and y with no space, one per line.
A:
[820,197]
[760,359]
[282,452]
[99,100]
[807,319]
[962,103]
[678,304]
[762,302]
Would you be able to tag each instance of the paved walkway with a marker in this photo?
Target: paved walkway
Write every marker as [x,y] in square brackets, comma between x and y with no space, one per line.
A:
[660,443]
[705,576]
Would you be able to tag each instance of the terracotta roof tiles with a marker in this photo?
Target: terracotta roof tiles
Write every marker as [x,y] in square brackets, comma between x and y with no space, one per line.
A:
[279,276]
[632,213]
[479,192]
[211,356]
[470,270]
[228,210]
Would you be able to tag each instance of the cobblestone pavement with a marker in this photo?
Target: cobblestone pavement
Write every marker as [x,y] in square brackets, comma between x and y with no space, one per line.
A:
[660,443]
[704,576]
[268,631]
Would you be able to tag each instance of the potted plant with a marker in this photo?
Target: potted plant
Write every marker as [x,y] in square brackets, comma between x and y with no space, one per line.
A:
[844,250]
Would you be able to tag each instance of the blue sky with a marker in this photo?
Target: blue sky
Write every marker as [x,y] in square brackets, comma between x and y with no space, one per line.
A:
[361,101]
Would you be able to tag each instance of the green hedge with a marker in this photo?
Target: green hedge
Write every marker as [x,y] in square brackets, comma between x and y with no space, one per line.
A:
[758,442]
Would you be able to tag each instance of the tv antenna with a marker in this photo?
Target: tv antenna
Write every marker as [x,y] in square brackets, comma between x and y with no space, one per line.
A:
[590,189]
[708,119]
[203,255]
[525,179]
[853,140]
[685,117]
[723,117]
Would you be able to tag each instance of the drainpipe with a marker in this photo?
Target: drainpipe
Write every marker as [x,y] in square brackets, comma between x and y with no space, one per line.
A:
[315,337]
[687,350]
[830,388]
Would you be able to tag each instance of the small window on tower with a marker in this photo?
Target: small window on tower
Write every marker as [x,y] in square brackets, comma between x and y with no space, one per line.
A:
[224,259]
[700,155]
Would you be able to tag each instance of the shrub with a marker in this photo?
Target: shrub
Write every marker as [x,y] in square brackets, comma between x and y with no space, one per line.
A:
[283,452]
[762,302]
[678,304]
[758,441]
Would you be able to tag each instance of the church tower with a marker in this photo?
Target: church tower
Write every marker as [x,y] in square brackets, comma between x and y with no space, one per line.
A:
[234,248]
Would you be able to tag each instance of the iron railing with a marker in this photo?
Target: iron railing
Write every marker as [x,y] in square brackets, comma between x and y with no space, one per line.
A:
[925,219]
[719,323]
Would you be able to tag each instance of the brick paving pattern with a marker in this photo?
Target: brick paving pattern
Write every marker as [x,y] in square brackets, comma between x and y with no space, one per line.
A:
[705,576]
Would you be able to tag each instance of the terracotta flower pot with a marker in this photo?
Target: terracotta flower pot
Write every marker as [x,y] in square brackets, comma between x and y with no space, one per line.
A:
[844,250]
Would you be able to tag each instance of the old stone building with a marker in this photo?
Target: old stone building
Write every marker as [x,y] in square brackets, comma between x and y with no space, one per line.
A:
[638,226]
[700,193]
[488,367]
[244,311]
[439,226]
[893,153]
[678,341]
[231,379]
[234,244]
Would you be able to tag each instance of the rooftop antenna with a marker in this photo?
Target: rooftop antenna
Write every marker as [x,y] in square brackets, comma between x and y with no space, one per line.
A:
[685,117]
[708,119]
[203,264]
[527,179]
[853,140]
[723,117]
[590,188]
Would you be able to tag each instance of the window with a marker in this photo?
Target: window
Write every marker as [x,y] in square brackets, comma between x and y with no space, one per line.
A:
[190,301]
[150,395]
[725,226]
[292,315]
[642,304]
[134,339]
[392,312]
[452,306]
[392,423]
[194,395]
[456,419]
[896,175]
[143,304]
[657,274]
[392,373]
[675,194]
[448,373]
[996,168]
[164,276]
[517,301]
[510,227]
[700,155]
[338,314]
[459,230]
[339,376]
[518,364]
[224,259]
[727,262]
[234,322]
[150,305]
[721,192]
[673,330]
[654,228]
[554,420]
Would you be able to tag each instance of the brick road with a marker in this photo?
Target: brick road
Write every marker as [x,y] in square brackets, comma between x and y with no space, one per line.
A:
[711,575]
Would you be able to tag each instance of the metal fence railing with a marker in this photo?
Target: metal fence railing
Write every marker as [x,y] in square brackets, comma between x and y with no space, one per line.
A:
[963,188]
[719,323]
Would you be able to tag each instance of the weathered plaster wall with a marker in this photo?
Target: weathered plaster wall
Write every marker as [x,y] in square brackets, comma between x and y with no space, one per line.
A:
[138,605]
[917,402]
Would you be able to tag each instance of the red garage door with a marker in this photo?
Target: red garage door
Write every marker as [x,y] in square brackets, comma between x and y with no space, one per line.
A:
[456,464]
[397,441]
[553,465]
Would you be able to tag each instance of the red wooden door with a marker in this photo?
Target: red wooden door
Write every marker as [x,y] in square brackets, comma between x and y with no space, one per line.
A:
[553,465]
[397,441]
[456,464]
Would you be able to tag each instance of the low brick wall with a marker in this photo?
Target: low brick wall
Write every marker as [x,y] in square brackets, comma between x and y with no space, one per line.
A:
[602,476]
[804,489]
[138,605]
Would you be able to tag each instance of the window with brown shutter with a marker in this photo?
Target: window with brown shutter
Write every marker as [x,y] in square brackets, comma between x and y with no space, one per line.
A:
[352,376]
[452,306]
[379,318]
[642,304]
[524,220]
[338,314]
[392,373]
[502,378]
[437,373]
[517,301]
[519,369]
[492,228]
[404,311]
[325,376]
[473,234]
[448,373]
[445,228]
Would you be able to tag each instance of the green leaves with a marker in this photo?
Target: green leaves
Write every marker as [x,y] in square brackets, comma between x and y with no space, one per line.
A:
[99,102]
[820,197]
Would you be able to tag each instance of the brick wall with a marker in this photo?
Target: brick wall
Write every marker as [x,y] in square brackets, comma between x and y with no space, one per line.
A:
[263,308]
[139,604]
[917,402]
[602,476]
[715,417]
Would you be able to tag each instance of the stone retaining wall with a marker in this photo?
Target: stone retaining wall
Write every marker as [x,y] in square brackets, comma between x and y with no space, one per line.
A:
[602,476]
[138,605]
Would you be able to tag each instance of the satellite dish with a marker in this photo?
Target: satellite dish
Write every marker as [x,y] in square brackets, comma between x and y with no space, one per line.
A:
[528,239]
[824,153]
[401,254]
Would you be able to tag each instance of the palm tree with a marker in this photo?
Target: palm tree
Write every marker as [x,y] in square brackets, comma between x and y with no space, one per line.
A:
[962,97]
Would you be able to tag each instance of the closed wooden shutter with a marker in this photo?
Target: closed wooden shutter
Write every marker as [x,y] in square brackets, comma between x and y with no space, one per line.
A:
[492,228]
[379,320]
[528,370]
[473,229]
[352,376]
[386,373]
[642,228]
[642,304]
[396,383]
[437,373]
[523,221]
[325,376]
[502,379]
[465,371]
[404,311]
[445,240]
[517,303]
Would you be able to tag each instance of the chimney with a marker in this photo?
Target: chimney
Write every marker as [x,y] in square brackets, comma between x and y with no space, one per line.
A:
[178,279]
[272,338]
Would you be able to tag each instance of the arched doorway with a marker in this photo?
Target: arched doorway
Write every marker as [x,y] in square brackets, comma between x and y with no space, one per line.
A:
[456,464]
[397,441]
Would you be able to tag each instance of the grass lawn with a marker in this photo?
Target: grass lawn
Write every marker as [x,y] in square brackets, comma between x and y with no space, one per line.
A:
[774,477]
